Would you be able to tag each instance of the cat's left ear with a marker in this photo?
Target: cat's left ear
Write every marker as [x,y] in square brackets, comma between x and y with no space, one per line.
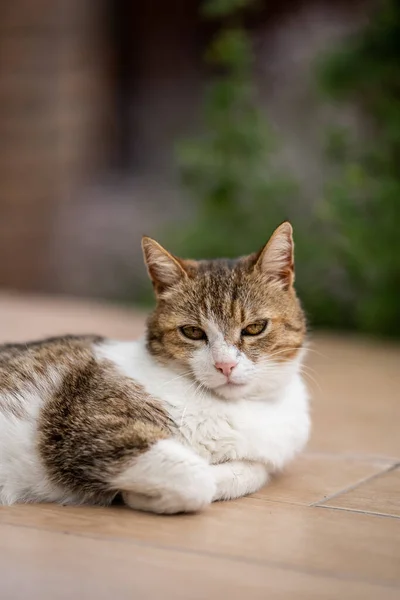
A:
[165,270]
[276,259]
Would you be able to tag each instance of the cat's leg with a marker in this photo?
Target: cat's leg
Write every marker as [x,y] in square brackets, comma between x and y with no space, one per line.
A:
[168,478]
[238,478]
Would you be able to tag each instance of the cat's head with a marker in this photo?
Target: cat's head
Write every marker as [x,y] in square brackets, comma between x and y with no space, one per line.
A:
[235,325]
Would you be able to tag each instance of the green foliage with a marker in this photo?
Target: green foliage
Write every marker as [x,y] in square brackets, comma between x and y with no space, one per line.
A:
[223,8]
[364,200]
[228,170]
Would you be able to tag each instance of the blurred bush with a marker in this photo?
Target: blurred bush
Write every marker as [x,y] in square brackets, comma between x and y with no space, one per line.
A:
[348,251]
[228,170]
[363,202]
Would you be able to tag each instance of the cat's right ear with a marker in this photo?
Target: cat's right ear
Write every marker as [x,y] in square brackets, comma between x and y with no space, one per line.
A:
[164,269]
[276,258]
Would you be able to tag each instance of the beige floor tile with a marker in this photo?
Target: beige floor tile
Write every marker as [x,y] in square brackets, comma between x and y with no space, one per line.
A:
[356,403]
[51,566]
[328,541]
[380,495]
[313,477]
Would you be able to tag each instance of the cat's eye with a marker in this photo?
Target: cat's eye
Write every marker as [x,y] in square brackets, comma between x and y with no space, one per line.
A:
[255,328]
[193,333]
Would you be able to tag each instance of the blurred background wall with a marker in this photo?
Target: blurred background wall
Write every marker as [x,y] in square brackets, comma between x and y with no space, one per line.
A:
[94,95]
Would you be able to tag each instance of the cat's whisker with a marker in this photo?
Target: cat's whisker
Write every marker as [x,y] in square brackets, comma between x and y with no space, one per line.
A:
[203,391]
[318,352]
[186,406]
[183,414]
[283,351]
[289,349]
[312,379]
[199,386]
[272,367]
[308,368]
[178,377]
[272,371]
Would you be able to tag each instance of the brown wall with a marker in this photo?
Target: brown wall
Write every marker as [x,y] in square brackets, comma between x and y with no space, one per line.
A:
[51,87]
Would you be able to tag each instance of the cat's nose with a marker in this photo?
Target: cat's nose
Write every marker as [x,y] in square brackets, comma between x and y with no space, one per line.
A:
[225,368]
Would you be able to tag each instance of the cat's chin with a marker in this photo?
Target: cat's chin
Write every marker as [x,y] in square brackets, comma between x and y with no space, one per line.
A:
[231,391]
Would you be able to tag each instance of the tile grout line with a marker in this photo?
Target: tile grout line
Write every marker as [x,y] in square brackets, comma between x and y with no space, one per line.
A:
[369,513]
[376,458]
[356,485]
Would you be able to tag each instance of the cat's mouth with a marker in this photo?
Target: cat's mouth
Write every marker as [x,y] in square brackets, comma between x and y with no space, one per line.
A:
[231,390]
[231,384]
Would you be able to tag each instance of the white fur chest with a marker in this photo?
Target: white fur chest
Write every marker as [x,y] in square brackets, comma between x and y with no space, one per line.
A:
[270,431]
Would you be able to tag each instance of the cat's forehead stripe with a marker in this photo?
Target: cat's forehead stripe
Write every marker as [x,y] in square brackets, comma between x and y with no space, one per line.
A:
[218,303]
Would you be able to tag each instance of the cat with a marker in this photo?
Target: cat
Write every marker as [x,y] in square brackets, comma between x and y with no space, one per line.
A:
[205,408]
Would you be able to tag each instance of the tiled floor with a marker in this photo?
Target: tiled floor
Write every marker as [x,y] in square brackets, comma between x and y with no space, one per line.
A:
[327,528]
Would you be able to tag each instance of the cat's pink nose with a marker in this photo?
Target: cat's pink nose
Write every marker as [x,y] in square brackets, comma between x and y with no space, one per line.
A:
[225,368]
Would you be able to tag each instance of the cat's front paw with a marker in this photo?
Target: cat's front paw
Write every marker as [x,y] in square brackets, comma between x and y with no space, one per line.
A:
[221,453]
[195,498]
[238,478]
[168,479]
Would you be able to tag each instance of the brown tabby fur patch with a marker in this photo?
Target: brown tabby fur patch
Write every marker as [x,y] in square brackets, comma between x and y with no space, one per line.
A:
[93,422]
[29,366]
[232,294]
